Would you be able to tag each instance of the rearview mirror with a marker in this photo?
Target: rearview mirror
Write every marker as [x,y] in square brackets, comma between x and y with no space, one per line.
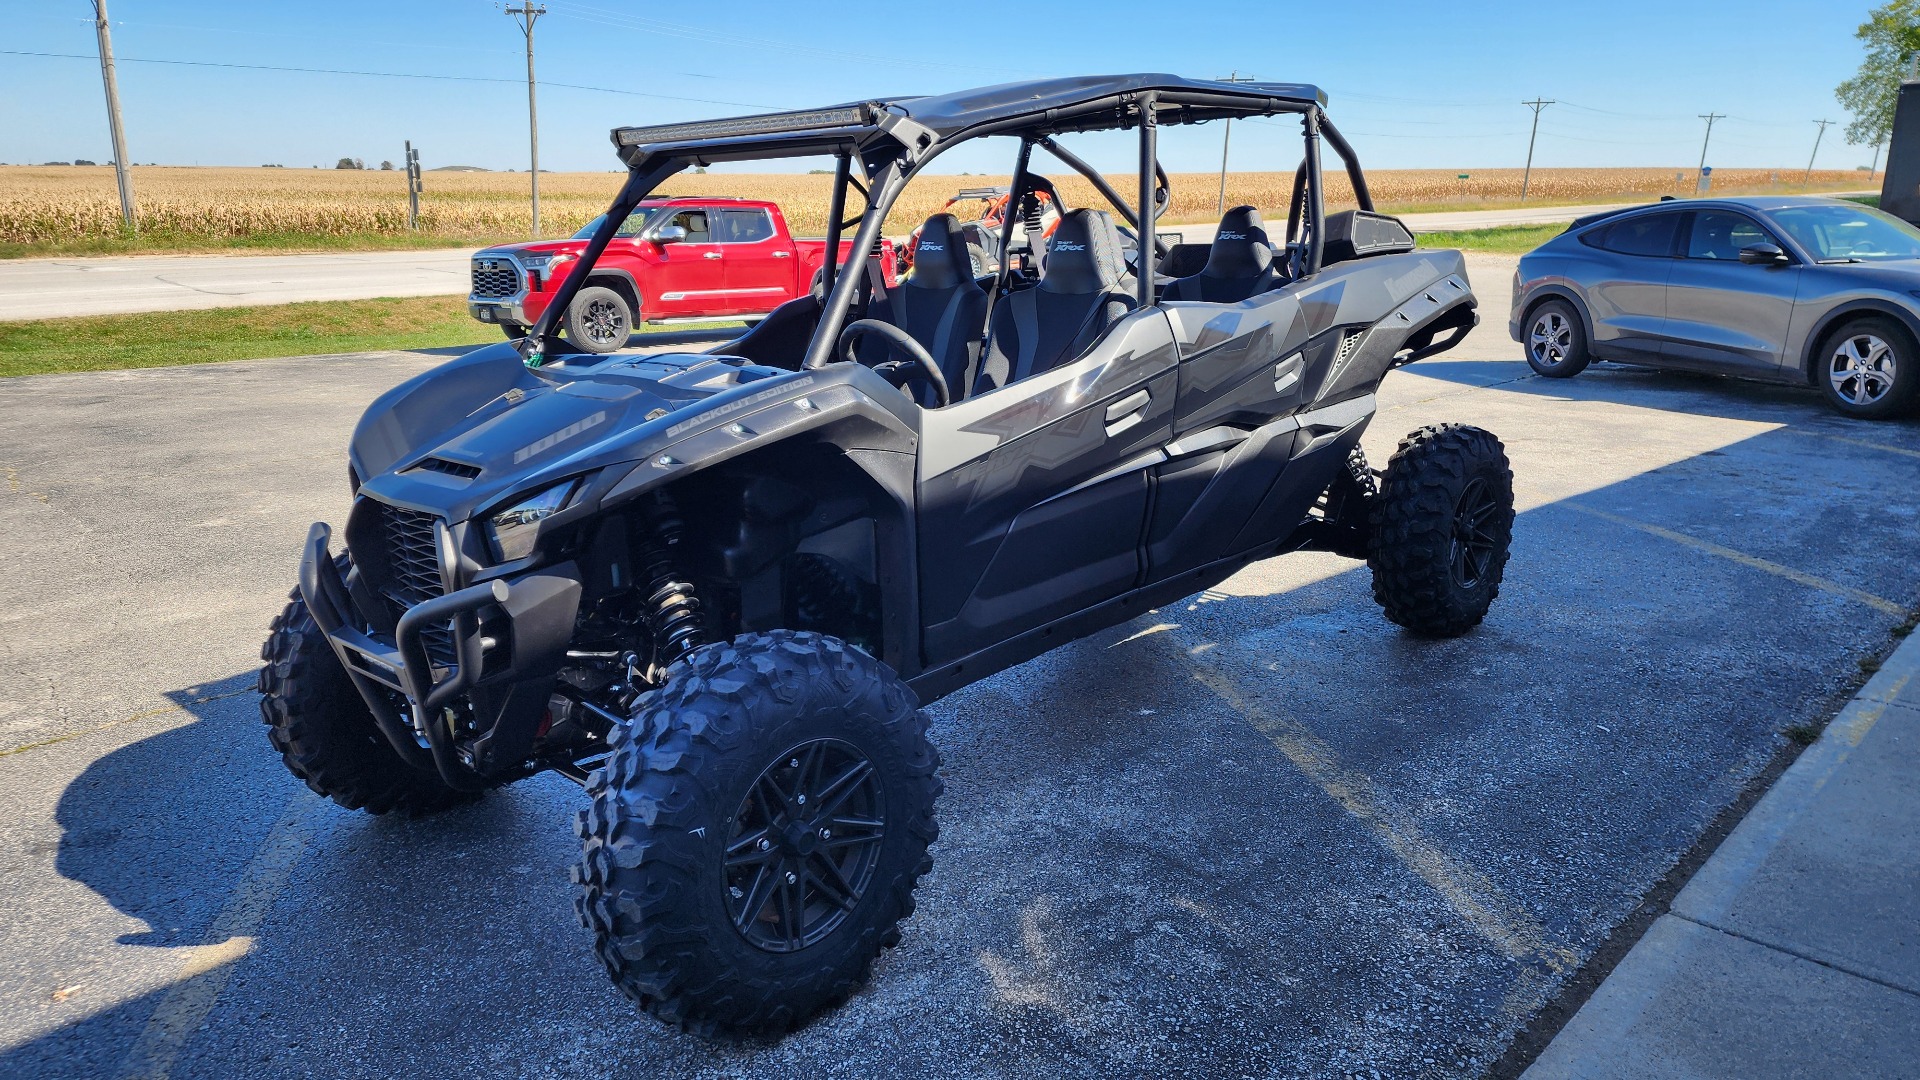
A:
[673,234]
[1763,255]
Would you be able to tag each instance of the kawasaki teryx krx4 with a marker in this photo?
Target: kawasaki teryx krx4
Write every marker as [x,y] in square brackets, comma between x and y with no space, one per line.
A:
[716,587]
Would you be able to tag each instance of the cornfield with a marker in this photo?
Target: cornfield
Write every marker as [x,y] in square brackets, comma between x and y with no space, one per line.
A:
[50,206]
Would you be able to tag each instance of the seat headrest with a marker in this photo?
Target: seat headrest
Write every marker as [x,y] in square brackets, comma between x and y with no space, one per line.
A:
[1083,255]
[1240,247]
[940,259]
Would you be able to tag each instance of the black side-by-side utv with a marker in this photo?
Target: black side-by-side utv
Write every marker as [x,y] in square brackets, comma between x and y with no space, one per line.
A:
[715,587]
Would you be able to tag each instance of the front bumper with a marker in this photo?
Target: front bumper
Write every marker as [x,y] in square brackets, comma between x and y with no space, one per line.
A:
[508,638]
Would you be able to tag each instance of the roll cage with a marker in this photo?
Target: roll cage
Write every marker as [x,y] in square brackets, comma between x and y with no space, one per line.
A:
[892,141]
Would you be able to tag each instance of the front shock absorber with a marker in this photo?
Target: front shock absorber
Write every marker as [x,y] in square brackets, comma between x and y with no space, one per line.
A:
[672,607]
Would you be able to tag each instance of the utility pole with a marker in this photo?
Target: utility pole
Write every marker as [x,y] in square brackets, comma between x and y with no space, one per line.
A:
[1526,178]
[526,15]
[1875,167]
[1227,141]
[1709,118]
[1808,178]
[121,170]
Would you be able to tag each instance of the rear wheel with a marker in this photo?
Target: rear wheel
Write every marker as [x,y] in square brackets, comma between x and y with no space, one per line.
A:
[1441,527]
[599,320]
[325,733]
[1556,341]
[756,834]
[1869,369]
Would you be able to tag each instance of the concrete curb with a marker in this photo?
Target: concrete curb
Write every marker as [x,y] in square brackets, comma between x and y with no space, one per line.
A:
[1795,949]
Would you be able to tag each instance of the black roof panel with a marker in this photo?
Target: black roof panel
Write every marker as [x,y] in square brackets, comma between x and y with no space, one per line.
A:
[949,114]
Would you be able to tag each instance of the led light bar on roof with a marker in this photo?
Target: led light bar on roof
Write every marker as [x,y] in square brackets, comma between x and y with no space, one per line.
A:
[766,123]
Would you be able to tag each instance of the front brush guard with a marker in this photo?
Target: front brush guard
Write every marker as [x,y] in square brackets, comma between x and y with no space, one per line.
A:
[404,667]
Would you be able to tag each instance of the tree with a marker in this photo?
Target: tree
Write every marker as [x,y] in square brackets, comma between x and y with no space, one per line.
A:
[386,166]
[346,163]
[1891,35]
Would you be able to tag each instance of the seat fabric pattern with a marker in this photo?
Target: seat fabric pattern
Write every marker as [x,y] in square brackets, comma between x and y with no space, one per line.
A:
[1083,290]
[1239,265]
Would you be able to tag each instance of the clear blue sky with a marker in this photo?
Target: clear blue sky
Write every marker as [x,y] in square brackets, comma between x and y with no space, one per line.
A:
[1415,85]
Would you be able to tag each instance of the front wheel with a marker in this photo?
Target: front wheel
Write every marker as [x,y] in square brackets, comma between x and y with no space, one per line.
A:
[1441,527]
[599,320]
[756,834]
[1870,369]
[324,732]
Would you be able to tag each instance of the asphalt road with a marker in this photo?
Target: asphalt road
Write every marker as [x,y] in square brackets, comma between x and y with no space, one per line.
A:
[1260,832]
[58,288]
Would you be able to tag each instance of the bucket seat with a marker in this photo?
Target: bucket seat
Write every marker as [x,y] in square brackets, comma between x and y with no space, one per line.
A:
[1239,264]
[1082,291]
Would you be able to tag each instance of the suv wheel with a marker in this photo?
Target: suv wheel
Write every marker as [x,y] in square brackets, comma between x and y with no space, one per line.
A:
[1556,341]
[1441,527]
[1869,369]
[598,320]
[756,834]
[325,734]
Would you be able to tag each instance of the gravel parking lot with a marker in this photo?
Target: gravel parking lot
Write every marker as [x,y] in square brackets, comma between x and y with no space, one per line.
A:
[1261,832]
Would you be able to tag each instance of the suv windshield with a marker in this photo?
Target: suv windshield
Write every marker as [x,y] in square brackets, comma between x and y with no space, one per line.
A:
[1849,233]
[629,228]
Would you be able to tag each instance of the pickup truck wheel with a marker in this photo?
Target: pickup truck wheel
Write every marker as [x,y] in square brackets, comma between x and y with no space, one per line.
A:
[598,320]
[755,836]
[325,734]
[1440,529]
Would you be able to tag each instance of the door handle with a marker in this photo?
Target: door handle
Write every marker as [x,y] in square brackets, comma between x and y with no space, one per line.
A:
[783,254]
[709,254]
[1128,411]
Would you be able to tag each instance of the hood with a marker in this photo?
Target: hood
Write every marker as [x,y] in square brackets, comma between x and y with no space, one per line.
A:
[538,247]
[462,437]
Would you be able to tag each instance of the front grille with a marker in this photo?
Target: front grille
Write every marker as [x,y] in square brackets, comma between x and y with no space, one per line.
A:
[495,278]
[413,571]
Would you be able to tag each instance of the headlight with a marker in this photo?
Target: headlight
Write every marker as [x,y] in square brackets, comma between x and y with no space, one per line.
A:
[544,260]
[512,531]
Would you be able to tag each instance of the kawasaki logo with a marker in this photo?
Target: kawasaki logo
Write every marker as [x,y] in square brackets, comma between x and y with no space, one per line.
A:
[1068,245]
[1233,236]
[932,247]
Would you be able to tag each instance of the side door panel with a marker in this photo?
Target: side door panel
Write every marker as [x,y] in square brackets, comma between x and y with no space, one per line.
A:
[1627,284]
[689,277]
[758,263]
[1033,498]
[1722,314]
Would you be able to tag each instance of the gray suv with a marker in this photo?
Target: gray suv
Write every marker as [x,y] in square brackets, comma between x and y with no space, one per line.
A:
[1788,289]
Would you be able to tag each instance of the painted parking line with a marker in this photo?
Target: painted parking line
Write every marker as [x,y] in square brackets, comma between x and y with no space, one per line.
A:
[147,715]
[1864,444]
[1834,588]
[197,985]
[1473,896]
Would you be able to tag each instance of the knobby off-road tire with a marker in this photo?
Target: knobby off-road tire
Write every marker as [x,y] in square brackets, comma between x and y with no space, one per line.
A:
[686,792]
[1441,526]
[325,734]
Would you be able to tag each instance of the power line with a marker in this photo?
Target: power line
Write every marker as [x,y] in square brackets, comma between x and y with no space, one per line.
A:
[1526,178]
[526,15]
[394,75]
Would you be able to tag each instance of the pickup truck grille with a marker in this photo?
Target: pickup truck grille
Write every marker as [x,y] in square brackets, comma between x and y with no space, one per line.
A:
[495,278]
[413,571]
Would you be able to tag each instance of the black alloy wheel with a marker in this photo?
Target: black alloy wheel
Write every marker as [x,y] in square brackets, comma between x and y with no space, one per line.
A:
[804,846]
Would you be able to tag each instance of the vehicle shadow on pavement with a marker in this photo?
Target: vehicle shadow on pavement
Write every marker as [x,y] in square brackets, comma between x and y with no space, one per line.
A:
[1137,873]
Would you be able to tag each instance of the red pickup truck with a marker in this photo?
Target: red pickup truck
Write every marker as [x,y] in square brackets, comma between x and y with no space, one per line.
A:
[675,259]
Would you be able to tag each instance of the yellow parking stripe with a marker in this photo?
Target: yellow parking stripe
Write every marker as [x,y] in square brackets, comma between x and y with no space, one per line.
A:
[1479,902]
[1883,447]
[147,715]
[1833,587]
[204,972]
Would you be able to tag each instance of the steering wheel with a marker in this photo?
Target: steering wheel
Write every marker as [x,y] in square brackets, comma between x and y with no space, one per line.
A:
[898,340]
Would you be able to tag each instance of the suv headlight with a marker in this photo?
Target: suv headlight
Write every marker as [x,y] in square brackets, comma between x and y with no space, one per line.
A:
[512,531]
